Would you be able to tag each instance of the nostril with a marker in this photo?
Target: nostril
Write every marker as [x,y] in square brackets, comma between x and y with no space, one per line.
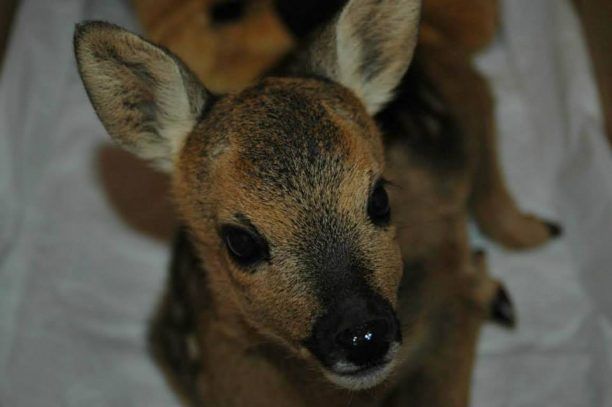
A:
[365,343]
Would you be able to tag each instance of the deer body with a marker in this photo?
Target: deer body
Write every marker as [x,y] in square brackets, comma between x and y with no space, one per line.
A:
[290,284]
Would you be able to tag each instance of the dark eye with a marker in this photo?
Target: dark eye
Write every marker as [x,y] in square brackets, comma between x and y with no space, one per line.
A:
[245,248]
[378,205]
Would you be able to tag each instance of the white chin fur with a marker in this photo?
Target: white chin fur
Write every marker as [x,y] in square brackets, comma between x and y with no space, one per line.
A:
[341,375]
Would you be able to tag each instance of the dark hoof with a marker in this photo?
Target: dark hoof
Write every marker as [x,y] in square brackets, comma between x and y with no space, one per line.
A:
[478,256]
[478,253]
[554,229]
[502,309]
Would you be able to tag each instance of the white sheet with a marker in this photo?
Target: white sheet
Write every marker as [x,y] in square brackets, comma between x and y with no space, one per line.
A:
[77,283]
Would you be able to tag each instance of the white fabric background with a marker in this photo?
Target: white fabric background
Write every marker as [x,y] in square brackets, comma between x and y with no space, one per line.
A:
[77,284]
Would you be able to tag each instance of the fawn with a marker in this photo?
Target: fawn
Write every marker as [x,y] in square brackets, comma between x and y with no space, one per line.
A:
[290,284]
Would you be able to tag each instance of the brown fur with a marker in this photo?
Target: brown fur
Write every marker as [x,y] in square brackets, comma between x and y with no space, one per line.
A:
[470,24]
[298,156]
[239,181]
[226,57]
[466,92]
[444,301]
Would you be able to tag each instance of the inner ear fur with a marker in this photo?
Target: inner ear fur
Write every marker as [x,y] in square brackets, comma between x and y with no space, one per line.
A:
[145,97]
[367,48]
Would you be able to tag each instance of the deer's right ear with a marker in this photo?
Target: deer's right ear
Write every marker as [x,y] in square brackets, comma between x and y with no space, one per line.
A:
[146,98]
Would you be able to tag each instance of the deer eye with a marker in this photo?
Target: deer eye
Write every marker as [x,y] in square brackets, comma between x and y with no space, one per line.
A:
[243,246]
[378,205]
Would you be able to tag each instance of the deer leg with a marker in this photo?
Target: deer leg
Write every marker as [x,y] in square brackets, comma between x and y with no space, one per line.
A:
[469,100]
[495,210]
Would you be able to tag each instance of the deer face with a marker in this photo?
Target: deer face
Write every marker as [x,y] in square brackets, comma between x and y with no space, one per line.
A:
[292,210]
[281,184]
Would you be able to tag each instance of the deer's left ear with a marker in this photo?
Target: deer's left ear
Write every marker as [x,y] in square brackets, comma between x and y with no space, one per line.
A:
[367,48]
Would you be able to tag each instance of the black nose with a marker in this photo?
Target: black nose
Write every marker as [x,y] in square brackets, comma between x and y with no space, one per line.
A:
[356,329]
[365,343]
